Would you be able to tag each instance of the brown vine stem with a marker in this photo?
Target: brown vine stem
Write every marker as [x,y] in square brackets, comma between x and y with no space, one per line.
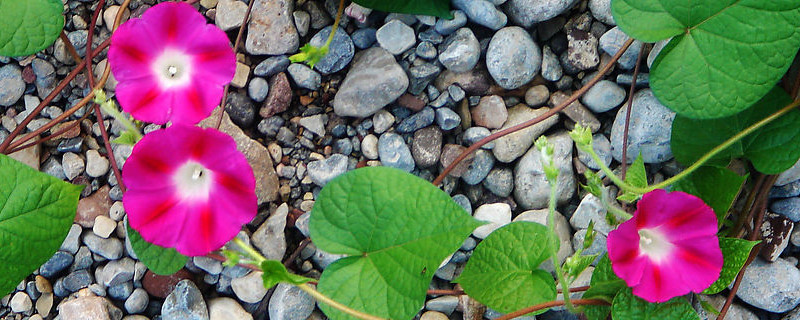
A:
[21,126]
[303,244]
[70,48]
[747,211]
[760,208]
[235,52]
[550,304]
[628,113]
[52,135]
[538,119]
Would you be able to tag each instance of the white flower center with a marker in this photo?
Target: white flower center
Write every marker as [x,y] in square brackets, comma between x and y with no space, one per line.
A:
[172,69]
[654,244]
[193,181]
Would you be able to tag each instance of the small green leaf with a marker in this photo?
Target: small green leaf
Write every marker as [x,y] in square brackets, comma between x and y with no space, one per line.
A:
[708,307]
[36,213]
[718,187]
[724,54]
[735,253]
[503,272]
[396,230]
[635,176]
[309,54]
[28,26]
[604,285]
[626,306]
[160,260]
[275,272]
[439,8]
[576,263]
[127,138]
[765,148]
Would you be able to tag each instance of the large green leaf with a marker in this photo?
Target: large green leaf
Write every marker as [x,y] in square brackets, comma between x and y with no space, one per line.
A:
[769,148]
[626,306]
[735,252]
[724,54]
[28,26]
[604,285]
[160,260]
[396,230]
[36,213]
[440,8]
[503,272]
[718,187]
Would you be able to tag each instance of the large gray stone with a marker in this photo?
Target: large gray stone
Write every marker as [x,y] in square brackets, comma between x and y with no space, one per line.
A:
[271,30]
[528,12]
[532,191]
[185,302]
[290,303]
[512,146]
[375,80]
[11,85]
[774,287]
[513,59]
[649,132]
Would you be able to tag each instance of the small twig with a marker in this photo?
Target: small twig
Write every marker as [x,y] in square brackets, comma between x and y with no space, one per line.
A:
[631,91]
[51,136]
[538,119]
[303,244]
[445,292]
[550,304]
[747,212]
[235,51]
[70,48]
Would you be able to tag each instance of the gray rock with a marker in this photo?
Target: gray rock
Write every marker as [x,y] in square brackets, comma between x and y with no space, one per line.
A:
[475,134]
[304,77]
[735,312]
[96,165]
[421,76]
[73,165]
[396,37]
[443,304]
[611,42]
[427,146]
[20,303]
[369,147]
[513,59]
[315,123]
[598,247]
[496,214]
[603,96]
[269,238]
[774,287]
[258,88]
[591,209]
[110,248]
[11,85]
[446,27]
[456,93]
[137,301]
[479,168]
[602,147]
[58,262]
[490,112]
[601,10]
[582,50]
[271,29]
[788,190]
[72,241]
[649,132]
[213,267]
[302,20]
[500,181]
[482,12]
[789,208]
[119,292]
[364,38]
[655,51]
[185,302]
[272,66]
[790,175]
[463,201]
[340,52]
[447,119]
[117,272]
[417,121]
[250,288]
[382,121]
[528,12]
[461,51]
[374,80]
[531,189]
[512,146]
[45,77]
[394,152]
[77,280]
[426,50]
[323,171]
[551,67]
[230,14]
[290,303]
[224,308]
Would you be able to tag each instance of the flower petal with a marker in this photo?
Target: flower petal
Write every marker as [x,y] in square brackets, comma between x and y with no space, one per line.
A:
[173,23]
[623,251]
[128,55]
[195,102]
[214,60]
[143,100]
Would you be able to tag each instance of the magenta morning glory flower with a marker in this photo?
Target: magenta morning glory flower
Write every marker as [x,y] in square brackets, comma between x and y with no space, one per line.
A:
[668,248]
[188,188]
[170,65]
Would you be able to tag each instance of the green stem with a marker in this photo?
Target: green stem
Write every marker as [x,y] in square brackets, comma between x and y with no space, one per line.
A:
[335,25]
[555,247]
[700,162]
[255,255]
[109,108]
[343,308]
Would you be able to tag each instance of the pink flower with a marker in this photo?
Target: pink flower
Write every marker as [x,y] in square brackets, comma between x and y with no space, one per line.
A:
[189,189]
[668,248]
[170,64]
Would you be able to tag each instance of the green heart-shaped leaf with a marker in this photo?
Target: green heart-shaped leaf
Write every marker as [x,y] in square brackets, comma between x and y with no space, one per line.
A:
[439,8]
[28,26]
[36,213]
[626,306]
[724,54]
[766,148]
[160,260]
[718,187]
[735,252]
[503,271]
[604,285]
[396,230]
